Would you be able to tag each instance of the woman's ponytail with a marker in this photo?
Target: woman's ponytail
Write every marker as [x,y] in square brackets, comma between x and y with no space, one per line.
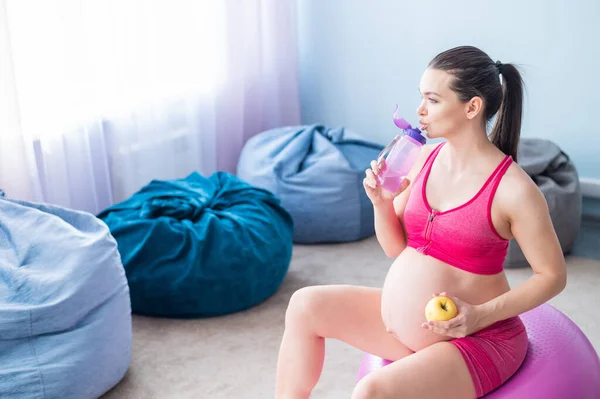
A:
[507,129]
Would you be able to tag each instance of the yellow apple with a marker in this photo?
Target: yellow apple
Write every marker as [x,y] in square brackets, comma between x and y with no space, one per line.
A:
[440,308]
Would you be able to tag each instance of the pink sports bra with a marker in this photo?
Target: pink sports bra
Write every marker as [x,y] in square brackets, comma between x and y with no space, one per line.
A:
[463,237]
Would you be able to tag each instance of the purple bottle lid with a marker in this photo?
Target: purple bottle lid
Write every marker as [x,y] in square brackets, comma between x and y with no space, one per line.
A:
[413,133]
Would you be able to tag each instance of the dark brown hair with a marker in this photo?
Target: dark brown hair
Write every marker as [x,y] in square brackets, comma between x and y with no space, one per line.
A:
[475,74]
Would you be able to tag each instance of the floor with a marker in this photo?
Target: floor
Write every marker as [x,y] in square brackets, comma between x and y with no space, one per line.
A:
[235,356]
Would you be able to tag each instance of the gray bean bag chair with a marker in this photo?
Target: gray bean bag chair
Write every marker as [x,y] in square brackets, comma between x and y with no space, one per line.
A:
[554,173]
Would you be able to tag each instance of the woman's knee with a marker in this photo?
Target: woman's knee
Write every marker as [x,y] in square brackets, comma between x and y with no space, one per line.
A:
[369,388]
[303,306]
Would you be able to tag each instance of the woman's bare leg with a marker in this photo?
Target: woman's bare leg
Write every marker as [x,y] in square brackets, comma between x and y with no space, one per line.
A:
[438,371]
[349,313]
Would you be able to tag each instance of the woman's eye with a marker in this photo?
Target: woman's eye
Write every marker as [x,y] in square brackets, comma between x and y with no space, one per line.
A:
[432,101]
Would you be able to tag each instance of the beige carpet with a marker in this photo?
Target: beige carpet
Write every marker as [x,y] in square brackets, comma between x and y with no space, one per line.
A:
[235,356]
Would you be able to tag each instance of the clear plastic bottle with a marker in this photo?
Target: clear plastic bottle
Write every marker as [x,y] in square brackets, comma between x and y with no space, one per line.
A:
[396,160]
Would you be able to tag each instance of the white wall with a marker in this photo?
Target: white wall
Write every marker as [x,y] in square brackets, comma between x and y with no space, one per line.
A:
[359,58]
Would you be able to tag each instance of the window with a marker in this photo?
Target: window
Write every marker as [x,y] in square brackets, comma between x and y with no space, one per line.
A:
[80,59]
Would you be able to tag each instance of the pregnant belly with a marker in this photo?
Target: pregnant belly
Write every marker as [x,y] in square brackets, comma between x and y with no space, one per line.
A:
[409,285]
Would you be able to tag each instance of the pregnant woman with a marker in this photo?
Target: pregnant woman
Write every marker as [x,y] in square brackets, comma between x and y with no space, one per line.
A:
[448,227]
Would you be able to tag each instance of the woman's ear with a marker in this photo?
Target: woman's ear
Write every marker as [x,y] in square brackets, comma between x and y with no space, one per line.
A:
[473,107]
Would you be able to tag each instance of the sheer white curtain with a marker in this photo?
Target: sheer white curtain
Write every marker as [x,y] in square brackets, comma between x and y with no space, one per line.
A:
[15,169]
[101,96]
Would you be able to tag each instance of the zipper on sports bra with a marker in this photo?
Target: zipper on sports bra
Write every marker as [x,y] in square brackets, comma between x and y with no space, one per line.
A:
[428,229]
[430,225]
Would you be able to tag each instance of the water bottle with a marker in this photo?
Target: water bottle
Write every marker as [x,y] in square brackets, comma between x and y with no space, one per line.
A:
[396,160]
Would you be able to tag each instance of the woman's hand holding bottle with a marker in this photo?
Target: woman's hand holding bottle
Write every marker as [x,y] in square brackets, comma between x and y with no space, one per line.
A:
[375,192]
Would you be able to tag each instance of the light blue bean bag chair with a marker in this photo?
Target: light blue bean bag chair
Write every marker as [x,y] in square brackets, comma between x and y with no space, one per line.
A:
[200,247]
[317,172]
[65,315]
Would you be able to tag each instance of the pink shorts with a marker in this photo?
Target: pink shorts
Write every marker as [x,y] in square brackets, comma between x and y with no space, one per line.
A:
[494,354]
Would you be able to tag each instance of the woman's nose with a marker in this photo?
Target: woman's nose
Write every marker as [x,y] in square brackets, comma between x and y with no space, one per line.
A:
[421,109]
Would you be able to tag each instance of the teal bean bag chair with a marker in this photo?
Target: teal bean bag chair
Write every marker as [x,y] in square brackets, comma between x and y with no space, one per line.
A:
[200,247]
[65,313]
[317,172]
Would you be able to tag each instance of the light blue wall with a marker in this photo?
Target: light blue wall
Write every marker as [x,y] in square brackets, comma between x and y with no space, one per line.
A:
[359,58]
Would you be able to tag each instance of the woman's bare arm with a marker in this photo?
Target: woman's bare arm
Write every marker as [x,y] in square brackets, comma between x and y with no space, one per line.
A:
[389,217]
[527,212]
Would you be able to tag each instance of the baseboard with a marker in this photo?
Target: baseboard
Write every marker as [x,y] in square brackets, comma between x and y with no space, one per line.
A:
[590,187]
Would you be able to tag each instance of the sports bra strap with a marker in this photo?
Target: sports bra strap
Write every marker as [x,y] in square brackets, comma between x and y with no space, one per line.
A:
[499,173]
[430,158]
